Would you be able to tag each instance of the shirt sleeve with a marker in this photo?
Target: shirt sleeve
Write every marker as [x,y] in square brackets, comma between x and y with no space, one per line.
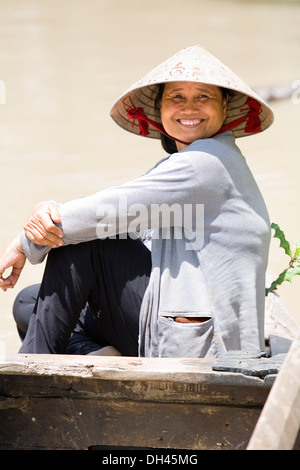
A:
[134,206]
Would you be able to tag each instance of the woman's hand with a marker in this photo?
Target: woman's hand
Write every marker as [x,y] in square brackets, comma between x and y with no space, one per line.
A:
[40,227]
[13,257]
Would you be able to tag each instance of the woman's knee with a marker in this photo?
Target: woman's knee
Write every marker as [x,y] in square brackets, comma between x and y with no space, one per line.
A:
[24,304]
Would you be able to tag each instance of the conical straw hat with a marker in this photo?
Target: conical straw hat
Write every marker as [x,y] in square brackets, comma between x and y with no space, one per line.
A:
[136,111]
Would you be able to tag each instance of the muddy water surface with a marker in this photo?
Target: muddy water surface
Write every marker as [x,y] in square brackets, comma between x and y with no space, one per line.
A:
[63,63]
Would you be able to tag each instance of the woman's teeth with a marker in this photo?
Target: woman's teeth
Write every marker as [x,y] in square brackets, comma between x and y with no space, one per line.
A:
[190,122]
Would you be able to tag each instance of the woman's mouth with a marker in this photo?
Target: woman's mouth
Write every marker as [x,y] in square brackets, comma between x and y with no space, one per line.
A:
[190,122]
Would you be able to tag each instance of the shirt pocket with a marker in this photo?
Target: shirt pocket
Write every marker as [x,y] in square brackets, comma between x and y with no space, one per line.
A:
[185,339]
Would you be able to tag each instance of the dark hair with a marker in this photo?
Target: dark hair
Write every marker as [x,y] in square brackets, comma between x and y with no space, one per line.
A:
[168,144]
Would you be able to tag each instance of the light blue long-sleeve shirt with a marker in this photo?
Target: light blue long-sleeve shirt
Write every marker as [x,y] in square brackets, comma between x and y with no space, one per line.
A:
[211,265]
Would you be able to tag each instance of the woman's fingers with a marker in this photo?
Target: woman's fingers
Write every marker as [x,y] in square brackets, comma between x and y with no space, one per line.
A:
[54,214]
[11,258]
[38,235]
[10,281]
[41,226]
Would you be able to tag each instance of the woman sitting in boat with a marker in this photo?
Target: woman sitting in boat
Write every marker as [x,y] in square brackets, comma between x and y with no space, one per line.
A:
[171,264]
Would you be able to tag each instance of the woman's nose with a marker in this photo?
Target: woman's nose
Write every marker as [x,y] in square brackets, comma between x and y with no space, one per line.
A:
[190,105]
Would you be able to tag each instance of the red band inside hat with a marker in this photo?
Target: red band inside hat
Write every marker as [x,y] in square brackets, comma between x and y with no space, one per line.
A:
[252,126]
[143,121]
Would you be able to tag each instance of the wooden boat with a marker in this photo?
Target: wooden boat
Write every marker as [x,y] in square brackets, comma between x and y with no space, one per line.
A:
[98,402]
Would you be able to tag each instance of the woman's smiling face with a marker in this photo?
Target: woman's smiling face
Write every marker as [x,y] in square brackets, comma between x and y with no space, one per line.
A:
[192,111]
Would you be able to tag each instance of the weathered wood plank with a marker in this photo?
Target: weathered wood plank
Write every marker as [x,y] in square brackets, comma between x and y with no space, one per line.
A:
[130,378]
[77,402]
[279,422]
[81,424]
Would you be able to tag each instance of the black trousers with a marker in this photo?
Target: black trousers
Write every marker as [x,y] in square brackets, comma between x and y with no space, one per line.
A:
[85,338]
[105,279]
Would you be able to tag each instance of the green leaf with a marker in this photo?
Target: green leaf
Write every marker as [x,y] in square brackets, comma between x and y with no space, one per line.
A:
[277,282]
[291,273]
[297,252]
[281,236]
[286,275]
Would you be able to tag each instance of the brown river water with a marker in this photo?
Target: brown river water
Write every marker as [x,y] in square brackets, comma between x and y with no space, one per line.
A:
[62,65]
